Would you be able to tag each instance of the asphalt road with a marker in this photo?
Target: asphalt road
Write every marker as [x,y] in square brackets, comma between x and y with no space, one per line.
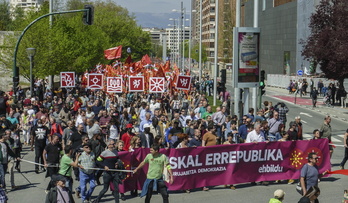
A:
[32,185]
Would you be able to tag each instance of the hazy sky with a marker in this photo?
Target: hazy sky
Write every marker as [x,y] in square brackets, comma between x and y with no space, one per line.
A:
[154,13]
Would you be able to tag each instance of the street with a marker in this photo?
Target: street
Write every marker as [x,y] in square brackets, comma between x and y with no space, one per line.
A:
[32,185]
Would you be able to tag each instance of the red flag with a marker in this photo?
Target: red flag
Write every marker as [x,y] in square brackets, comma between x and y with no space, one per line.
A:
[341,172]
[128,60]
[146,60]
[113,53]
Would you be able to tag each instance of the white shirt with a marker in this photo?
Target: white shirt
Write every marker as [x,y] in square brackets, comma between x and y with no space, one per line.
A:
[113,132]
[254,137]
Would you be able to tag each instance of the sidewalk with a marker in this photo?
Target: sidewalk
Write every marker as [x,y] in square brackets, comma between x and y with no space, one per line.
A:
[306,102]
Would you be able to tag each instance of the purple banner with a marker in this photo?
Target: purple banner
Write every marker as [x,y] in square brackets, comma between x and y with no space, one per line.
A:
[232,164]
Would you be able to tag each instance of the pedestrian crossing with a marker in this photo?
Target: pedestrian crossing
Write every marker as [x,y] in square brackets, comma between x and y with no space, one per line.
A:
[334,138]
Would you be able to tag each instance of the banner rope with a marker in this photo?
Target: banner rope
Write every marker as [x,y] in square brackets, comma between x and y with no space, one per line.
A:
[96,169]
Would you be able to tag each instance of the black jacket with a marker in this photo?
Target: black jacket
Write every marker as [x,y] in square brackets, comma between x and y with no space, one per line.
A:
[143,140]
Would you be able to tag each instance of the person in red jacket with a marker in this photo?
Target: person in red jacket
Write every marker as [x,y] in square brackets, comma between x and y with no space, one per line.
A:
[127,136]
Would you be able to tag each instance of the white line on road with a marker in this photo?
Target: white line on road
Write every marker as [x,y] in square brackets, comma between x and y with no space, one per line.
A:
[303,121]
[306,114]
[333,139]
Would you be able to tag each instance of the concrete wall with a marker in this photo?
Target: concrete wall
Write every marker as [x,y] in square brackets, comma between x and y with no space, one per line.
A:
[278,34]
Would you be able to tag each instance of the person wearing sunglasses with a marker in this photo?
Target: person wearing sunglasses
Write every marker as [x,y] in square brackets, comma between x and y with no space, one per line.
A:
[87,161]
[310,173]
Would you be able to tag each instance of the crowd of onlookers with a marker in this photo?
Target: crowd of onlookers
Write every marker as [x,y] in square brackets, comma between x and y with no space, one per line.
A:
[333,93]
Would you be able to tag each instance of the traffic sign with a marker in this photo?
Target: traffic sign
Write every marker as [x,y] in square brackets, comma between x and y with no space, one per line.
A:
[300,72]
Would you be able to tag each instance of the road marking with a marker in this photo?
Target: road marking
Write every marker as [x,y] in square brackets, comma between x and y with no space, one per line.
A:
[307,136]
[303,121]
[306,114]
[341,136]
[333,139]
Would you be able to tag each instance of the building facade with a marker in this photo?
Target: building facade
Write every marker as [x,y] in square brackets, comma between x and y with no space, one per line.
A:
[226,19]
[283,23]
[25,4]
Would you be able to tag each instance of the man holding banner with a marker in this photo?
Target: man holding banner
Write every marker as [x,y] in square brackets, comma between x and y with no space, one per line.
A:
[154,180]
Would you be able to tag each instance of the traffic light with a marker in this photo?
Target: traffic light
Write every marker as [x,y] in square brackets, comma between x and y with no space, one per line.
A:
[88,15]
[223,76]
[262,82]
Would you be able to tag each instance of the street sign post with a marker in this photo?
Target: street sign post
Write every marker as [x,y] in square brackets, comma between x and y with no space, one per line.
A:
[300,72]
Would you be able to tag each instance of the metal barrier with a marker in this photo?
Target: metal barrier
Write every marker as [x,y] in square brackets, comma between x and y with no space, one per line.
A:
[283,81]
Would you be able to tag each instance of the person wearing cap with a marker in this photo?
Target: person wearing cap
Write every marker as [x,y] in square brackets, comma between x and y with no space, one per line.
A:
[87,161]
[278,196]
[147,120]
[59,193]
[127,136]
[146,137]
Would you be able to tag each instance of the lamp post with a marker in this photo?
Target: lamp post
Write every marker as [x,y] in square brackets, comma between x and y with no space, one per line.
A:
[190,39]
[182,27]
[31,53]
[174,41]
[200,40]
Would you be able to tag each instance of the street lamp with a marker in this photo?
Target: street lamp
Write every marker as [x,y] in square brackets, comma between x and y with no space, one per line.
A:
[182,11]
[175,42]
[190,39]
[31,53]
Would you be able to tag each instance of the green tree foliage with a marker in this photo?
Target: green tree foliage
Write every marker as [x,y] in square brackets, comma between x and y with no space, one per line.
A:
[69,45]
[195,52]
[327,44]
[5,15]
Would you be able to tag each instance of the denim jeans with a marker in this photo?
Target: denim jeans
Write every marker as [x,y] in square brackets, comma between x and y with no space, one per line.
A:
[84,179]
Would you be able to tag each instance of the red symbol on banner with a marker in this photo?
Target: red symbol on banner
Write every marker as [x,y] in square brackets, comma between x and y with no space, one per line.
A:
[67,79]
[156,84]
[297,159]
[95,81]
[136,83]
[317,151]
[114,84]
[183,82]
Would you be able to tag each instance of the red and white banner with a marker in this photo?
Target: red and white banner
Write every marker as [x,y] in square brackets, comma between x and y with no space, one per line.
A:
[196,167]
[136,84]
[114,84]
[95,81]
[183,82]
[157,84]
[67,79]
[113,53]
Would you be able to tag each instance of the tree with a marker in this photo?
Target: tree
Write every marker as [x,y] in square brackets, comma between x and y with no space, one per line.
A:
[327,44]
[5,15]
[69,45]
[195,52]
